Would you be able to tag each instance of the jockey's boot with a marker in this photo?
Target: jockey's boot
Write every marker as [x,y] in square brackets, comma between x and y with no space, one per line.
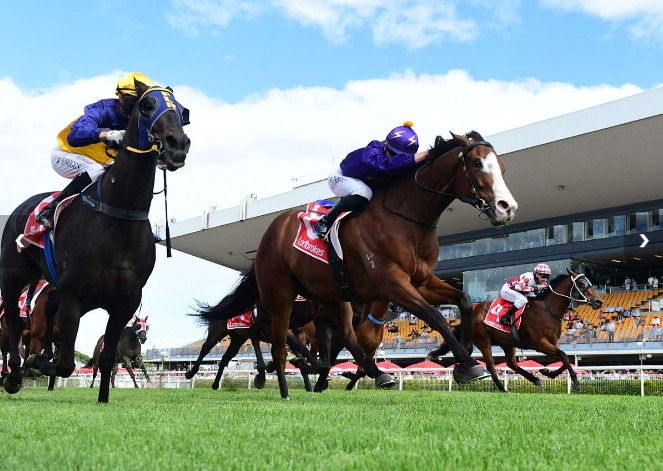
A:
[346,203]
[508,318]
[78,184]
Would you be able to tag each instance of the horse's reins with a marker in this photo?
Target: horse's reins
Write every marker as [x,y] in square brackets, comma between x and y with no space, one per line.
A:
[478,202]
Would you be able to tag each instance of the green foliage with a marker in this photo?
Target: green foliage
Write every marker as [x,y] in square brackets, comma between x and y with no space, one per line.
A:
[235,429]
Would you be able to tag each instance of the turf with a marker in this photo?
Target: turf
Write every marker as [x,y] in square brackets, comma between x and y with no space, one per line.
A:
[359,430]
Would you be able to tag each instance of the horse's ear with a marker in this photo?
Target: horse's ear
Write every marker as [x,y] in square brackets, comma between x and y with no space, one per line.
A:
[146,318]
[141,88]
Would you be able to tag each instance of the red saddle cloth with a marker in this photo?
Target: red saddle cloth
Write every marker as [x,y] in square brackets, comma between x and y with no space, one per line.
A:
[23,300]
[307,240]
[498,308]
[33,234]
[243,321]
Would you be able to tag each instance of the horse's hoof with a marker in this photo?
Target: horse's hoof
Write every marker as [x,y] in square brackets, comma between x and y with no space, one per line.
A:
[544,371]
[270,367]
[538,383]
[32,362]
[350,386]
[259,382]
[320,386]
[188,375]
[576,387]
[215,385]
[430,357]
[11,386]
[348,375]
[384,381]
[465,375]
[287,398]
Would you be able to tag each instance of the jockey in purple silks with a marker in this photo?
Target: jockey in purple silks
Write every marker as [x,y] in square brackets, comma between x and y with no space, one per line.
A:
[81,151]
[518,288]
[372,166]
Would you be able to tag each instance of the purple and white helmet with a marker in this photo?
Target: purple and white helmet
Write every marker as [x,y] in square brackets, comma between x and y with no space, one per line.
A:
[403,139]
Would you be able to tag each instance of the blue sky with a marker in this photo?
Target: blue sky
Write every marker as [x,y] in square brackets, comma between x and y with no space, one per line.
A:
[283,88]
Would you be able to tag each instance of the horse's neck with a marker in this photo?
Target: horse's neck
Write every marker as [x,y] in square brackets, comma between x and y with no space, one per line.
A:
[558,304]
[407,198]
[129,182]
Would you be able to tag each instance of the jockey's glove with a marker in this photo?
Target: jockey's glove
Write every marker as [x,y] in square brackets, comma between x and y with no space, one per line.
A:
[114,136]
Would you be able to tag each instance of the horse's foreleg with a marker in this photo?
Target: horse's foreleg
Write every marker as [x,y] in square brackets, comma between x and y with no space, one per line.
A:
[50,310]
[405,295]
[127,362]
[69,314]
[361,357]
[12,383]
[436,291]
[550,349]
[483,342]
[114,328]
[236,343]
[141,365]
[510,353]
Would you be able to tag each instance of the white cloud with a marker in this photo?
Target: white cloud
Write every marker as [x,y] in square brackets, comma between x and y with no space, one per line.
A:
[256,145]
[415,23]
[642,18]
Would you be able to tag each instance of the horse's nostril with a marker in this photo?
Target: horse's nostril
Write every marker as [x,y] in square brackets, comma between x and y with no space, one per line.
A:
[503,205]
[171,142]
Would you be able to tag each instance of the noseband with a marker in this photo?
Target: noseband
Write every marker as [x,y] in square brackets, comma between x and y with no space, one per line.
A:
[477,201]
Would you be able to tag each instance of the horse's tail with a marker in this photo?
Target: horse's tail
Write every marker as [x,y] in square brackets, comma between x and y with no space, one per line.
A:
[89,363]
[240,300]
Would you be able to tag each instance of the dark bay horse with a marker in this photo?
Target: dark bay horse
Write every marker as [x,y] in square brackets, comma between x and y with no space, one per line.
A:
[104,244]
[389,250]
[540,328]
[128,351]
[303,313]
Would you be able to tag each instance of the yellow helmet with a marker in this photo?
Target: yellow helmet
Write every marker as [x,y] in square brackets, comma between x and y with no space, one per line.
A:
[126,85]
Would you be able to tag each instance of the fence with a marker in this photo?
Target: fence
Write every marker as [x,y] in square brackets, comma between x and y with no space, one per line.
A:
[639,380]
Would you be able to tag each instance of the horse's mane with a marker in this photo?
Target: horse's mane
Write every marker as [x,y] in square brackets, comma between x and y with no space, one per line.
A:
[442,145]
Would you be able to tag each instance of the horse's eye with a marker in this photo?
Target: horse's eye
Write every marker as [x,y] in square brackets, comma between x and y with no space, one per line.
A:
[477,164]
[148,106]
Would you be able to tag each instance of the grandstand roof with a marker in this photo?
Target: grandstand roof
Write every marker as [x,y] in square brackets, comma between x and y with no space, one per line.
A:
[601,157]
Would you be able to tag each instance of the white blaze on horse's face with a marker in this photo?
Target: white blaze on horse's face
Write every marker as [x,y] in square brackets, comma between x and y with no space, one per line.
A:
[505,204]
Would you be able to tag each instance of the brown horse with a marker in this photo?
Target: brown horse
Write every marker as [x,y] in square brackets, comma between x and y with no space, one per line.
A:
[540,328]
[128,351]
[389,251]
[301,323]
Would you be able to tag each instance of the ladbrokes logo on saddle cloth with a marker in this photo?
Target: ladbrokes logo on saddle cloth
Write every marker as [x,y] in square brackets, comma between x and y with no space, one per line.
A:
[498,308]
[307,240]
[243,321]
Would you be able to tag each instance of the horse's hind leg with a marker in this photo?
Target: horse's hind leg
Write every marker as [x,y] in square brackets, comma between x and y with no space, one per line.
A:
[216,332]
[510,353]
[260,379]
[323,334]
[236,343]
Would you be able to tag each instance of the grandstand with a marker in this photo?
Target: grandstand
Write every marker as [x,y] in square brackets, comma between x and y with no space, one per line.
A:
[589,193]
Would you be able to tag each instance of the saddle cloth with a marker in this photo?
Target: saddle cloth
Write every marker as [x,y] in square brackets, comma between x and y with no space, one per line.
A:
[498,308]
[33,234]
[243,321]
[307,240]
[23,298]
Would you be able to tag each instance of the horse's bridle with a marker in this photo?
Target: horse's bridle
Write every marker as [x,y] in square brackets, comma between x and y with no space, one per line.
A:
[477,201]
[575,287]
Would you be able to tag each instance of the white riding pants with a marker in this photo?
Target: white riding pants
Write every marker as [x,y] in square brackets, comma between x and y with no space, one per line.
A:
[518,299]
[343,186]
[70,165]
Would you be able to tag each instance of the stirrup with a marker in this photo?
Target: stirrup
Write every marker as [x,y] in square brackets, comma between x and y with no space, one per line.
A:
[45,218]
[321,230]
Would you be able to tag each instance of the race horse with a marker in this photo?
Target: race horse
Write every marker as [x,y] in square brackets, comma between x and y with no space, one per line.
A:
[301,320]
[128,351]
[389,252]
[103,243]
[25,307]
[540,328]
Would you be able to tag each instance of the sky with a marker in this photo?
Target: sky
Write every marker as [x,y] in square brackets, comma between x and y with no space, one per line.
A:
[281,89]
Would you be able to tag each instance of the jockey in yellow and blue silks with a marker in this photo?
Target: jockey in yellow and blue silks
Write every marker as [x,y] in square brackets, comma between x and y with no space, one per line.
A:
[81,151]
[372,166]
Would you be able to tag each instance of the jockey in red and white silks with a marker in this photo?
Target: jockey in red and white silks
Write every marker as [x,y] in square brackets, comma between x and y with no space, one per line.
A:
[519,288]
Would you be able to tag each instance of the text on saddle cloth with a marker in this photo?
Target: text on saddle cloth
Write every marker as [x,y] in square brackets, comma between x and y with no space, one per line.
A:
[243,321]
[33,234]
[498,308]
[307,240]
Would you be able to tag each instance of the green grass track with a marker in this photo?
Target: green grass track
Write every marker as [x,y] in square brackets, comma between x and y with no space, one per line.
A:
[198,429]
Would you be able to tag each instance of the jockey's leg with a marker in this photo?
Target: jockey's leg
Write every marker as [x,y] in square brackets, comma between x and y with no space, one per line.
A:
[78,184]
[518,301]
[346,203]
